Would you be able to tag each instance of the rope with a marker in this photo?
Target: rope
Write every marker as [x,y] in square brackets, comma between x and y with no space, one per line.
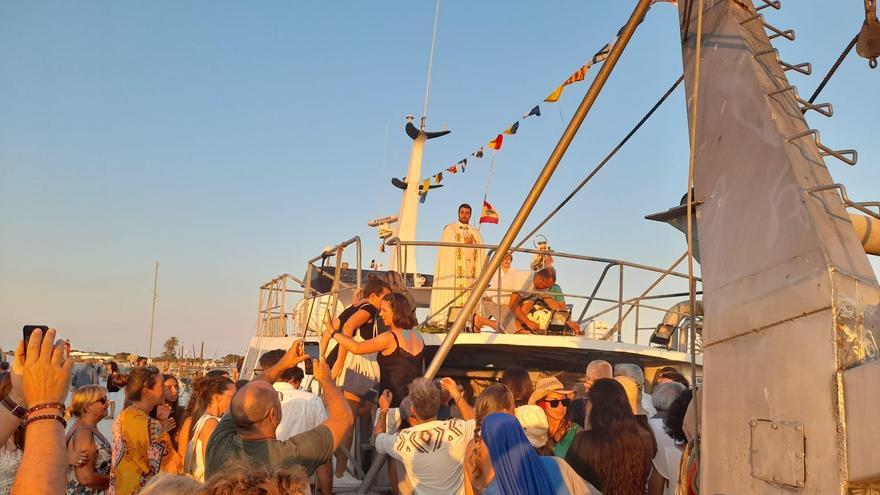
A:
[486,191]
[833,70]
[430,64]
[692,287]
[603,162]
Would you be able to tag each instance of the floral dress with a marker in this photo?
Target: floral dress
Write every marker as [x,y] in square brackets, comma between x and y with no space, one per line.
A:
[141,448]
[102,462]
[10,458]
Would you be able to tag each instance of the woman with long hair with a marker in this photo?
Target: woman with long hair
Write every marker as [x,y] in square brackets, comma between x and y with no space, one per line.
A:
[115,384]
[211,397]
[356,373]
[400,352]
[496,398]
[89,404]
[552,397]
[519,382]
[141,446]
[615,454]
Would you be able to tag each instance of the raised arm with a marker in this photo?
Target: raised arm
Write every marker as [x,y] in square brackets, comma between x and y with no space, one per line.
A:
[339,416]
[45,376]
[353,323]
[295,355]
[376,344]
[467,412]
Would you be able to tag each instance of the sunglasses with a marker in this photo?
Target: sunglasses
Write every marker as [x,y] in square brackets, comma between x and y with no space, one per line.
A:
[556,402]
[102,400]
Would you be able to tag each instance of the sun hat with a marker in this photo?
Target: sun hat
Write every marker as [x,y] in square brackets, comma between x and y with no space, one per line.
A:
[534,423]
[631,387]
[546,386]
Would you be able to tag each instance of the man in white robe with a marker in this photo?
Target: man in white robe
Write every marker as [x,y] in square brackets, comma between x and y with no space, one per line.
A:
[457,267]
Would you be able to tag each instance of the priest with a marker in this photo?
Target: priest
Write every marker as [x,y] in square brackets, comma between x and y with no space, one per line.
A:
[457,267]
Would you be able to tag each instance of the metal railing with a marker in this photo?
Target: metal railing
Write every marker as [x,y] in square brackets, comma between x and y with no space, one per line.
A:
[623,306]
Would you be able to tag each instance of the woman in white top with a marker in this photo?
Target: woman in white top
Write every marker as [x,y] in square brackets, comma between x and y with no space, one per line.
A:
[210,400]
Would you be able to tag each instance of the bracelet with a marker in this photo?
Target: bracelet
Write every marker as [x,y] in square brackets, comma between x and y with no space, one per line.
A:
[48,405]
[17,410]
[46,416]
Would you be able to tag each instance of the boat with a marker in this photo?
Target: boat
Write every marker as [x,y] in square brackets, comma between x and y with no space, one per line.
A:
[780,329]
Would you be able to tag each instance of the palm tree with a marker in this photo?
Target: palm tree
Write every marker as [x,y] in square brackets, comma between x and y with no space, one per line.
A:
[171,348]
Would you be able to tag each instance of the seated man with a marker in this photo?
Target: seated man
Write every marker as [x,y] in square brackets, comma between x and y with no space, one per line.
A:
[539,301]
[248,430]
[432,452]
[494,312]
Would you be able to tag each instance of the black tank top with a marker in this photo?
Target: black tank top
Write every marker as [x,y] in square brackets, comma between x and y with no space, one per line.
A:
[367,331]
[398,369]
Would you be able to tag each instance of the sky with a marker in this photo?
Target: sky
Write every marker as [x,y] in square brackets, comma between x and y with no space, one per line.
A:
[233,141]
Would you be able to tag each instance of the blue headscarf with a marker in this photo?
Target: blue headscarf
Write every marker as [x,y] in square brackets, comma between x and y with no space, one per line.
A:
[518,469]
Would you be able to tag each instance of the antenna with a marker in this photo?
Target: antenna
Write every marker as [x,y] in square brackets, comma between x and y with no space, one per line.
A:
[430,64]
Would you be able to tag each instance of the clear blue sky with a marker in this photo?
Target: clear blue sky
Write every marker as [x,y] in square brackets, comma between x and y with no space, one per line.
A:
[232,141]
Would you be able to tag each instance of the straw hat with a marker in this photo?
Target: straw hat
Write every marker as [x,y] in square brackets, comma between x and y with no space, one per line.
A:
[534,424]
[632,394]
[546,386]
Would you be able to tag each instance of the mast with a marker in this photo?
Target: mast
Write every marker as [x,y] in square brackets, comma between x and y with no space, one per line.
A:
[407,217]
[790,298]
[153,313]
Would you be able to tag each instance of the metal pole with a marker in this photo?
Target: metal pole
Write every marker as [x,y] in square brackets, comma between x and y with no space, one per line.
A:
[153,313]
[541,182]
[620,306]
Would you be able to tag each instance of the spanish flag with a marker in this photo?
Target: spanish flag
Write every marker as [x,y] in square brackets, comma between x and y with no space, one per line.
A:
[489,214]
[495,144]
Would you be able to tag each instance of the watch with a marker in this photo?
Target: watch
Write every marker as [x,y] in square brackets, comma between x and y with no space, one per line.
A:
[17,410]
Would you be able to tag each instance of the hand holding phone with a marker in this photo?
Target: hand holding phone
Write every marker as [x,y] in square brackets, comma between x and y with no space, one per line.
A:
[28,330]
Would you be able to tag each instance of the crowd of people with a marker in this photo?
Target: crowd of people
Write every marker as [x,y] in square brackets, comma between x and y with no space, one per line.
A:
[269,435]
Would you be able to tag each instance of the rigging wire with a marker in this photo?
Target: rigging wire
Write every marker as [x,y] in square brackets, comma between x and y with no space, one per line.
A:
[692,287]
[430,64]
[833,69]
[605,160]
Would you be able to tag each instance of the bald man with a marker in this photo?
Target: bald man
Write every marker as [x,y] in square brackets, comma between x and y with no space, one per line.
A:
[248,429]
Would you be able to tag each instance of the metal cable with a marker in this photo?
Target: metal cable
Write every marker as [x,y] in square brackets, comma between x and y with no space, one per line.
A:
[603,162]
[833,70]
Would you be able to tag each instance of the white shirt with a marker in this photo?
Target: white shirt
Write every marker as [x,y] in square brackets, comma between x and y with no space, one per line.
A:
[432,453]
[301,411]
[668,455]
[648,405]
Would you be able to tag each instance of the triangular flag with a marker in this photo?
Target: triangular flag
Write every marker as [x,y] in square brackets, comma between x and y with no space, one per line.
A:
[535,111]
[495,144]
[438,178]
[462,164]
[478,153]
[423,191]
[453,169]
[512,129]
[578,76]
[489,214]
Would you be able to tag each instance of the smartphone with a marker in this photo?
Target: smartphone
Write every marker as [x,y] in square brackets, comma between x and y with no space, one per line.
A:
[28,330]
[310,367]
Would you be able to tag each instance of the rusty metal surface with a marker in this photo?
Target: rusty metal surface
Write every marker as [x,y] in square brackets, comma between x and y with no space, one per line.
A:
[790,298]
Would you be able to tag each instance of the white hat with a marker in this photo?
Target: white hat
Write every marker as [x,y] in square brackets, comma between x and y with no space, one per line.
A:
[534,424]
[546,386]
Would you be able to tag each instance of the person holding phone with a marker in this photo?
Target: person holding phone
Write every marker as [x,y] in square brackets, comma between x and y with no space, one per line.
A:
[40,379]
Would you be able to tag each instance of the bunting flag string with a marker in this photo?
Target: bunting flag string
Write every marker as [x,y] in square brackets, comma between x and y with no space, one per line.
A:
[496,143]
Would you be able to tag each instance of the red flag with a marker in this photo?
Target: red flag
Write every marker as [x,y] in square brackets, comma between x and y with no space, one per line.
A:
[495,144]
[489,214]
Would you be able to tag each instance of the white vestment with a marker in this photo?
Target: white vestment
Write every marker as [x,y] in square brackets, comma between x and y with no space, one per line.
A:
[457,268]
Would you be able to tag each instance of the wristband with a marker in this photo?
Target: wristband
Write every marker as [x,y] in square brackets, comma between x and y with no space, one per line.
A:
[46,416]
[48,405]
[17,410]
